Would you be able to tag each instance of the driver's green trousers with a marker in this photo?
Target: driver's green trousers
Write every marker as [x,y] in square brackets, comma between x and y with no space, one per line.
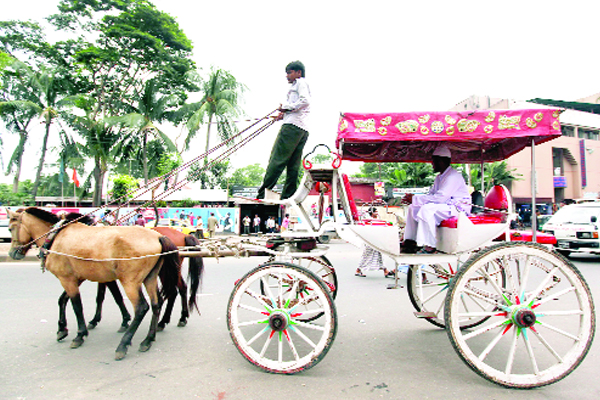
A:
[286,153]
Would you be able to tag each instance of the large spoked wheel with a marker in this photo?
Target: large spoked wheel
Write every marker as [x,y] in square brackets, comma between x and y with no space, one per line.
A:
[427,287]
[542,323]
[271,329]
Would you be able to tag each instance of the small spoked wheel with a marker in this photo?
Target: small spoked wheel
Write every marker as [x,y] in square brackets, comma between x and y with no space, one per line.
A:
[272,329]
[542,321]
[427,287]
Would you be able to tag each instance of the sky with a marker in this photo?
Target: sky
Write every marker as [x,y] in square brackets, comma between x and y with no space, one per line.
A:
[378,56]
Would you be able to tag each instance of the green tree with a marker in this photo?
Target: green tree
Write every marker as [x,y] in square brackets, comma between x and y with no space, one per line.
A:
[152,108]
[408,175]
[45,94]
[220,104]
[122,186]
[119,46]
[251,175]
[495,173]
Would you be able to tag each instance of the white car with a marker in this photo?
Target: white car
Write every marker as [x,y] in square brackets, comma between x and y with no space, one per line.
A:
[4,232]
[576,228]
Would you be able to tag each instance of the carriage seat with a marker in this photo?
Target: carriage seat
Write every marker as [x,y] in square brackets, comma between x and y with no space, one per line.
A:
[498,198]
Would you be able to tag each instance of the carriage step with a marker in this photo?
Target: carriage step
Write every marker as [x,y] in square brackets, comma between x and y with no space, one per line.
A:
[425,314]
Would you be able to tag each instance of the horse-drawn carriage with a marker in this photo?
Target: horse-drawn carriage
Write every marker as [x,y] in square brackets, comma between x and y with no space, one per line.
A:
[517,313]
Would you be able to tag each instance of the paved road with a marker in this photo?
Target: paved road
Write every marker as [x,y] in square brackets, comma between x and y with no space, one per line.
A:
[381,350]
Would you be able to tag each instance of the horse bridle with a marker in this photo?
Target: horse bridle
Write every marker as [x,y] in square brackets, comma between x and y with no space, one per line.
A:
[21,248]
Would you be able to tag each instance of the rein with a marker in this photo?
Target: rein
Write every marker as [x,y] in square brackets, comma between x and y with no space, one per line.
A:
[162,178]
[48,251]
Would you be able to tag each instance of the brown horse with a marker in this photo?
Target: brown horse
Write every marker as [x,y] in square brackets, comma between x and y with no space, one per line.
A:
[195,270]
[132,255]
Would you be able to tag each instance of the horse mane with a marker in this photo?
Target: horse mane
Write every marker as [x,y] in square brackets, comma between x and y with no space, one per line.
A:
[44,215]
[84,219]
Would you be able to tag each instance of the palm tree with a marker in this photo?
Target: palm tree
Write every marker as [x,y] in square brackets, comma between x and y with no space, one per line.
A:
[220,103]
[494,174]
[151,108]
[43,95]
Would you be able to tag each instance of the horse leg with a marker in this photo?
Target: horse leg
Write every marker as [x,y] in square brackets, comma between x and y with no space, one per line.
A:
[141,308]
[114,289]
[99,300]
[62,317]
[185,313]
[167,315]
[151,283]
[81,328]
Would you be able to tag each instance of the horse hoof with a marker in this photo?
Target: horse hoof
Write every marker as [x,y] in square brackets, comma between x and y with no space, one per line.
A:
[181,324]
[122,329]
[119,355]
[145,346]
[160,328]
[60,335]
[91,325]
[77,342]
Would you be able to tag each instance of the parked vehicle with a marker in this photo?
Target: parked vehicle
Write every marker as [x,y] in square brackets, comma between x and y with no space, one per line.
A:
[177,224]
[576,228]
[4,232]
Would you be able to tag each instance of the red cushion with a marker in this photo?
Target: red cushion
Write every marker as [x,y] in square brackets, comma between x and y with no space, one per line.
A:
[497,198]
[353,208]
[475,219]
[527,236]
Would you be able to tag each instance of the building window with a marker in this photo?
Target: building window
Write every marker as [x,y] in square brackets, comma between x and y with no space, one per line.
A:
[568,131]
[590,134]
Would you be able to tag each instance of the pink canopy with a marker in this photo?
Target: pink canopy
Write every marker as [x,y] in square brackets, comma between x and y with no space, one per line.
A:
[472,136]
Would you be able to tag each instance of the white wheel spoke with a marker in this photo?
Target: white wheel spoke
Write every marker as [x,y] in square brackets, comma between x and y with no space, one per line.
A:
[250,308]
[484,329]
[491,345]
[558,313]
[511,353]
[530,352]
[555,329]
[266,345]
[255,322]
[493,302]
[303,336]
[269,293]
[259,334]
[433,295]
[498,289]
[547,345]
[544,283]
[258,298]
[291,344]
[279,348]
[309,326]
[525,279]
[555,295]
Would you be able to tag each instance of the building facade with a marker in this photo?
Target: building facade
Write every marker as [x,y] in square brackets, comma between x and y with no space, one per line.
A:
[566,167]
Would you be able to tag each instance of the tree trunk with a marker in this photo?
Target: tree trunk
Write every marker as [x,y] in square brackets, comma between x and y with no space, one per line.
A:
[99,181]
[203,174]
[38,174]
[21,149]
[145,156]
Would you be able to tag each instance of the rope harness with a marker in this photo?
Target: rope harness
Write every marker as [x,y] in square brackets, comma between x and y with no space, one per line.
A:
[155,182]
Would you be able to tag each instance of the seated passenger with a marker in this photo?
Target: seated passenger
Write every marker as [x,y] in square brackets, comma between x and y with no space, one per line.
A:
[447,197]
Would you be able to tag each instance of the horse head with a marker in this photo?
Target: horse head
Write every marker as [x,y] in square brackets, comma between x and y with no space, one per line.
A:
[27,226]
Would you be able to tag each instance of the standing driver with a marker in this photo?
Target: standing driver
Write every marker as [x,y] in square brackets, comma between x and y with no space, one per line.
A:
[447,197]
[287,149]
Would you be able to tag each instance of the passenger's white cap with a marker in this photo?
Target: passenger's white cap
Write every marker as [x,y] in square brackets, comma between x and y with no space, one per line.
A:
[442,151]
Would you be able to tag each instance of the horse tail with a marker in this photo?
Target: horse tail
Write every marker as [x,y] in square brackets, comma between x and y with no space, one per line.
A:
[195,272]
[171,268]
